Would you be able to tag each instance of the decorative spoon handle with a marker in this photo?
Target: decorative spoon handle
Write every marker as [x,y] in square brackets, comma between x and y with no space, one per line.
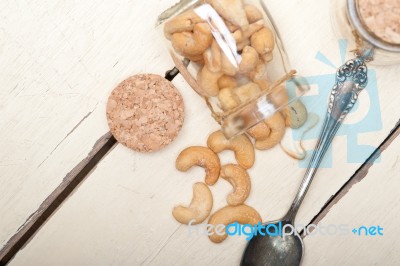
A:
[351,78]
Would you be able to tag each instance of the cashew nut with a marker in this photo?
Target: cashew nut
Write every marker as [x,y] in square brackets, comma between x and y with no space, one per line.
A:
[240,145]
[296,114]
[187,75]
[253,14]
[249,60]
[278,96]
[262,83]
[252,29]
[260,75]
[260,71]
[227,67]
[267,57]
[295,148]
[230,26]
[241,214]
[238,35]
[192,43]
[228,99]
[203,157]
[247,92]
[181,23]
[241,45]
[199,208]
[259,131]
[263,41]
[227,82]
[240,180]
[231,10]
[212,57]
[208,81]
[194,58]
[276,123]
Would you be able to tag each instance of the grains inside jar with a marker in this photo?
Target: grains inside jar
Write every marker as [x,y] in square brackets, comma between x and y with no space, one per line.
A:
[382,18]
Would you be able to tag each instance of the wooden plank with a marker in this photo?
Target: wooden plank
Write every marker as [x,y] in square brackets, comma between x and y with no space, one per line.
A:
[121,214]
[59,61]
[358,176]
[373,201]
[55,199]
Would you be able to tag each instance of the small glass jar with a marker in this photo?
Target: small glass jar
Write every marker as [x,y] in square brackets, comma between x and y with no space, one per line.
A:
[230,53]
[369,24]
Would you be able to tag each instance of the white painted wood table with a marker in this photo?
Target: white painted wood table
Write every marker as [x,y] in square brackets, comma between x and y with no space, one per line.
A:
[60,59]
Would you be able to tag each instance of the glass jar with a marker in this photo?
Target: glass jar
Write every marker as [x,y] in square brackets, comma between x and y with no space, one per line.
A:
[369,24]
[230,53]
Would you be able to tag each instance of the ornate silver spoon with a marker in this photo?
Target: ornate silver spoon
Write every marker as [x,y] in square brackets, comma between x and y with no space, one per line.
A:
[268,249]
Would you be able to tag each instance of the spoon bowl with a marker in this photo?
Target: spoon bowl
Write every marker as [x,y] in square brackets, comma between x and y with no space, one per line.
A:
[275,247]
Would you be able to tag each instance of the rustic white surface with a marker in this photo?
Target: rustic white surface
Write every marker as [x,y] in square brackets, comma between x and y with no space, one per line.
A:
[59,61]
[122,212]
[374,201]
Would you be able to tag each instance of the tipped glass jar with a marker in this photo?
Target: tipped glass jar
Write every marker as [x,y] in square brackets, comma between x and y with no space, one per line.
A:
[369,24]
[230,53]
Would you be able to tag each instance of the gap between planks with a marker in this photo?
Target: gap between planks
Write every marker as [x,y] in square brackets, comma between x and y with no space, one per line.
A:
[359,175]
[101,148]
[70,182]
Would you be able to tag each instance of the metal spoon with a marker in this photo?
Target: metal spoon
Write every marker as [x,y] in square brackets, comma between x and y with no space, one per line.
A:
[283,249]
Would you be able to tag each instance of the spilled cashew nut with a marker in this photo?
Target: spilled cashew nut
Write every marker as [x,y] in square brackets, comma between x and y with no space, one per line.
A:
[276,123]
[253,14]
[241,214]
[181,23]
[263,41]
[240,145]
[259,131]
[193,43]
[228,99]
[294,148]
[296,114]
[199,208]
[208,81]
[240,180]
[249,61]
[203,157]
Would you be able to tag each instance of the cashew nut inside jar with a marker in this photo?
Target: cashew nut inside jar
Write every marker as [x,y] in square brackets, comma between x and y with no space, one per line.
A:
[230,53]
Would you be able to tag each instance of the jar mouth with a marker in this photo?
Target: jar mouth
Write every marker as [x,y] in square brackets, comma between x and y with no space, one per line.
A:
[264,106]
[358,24]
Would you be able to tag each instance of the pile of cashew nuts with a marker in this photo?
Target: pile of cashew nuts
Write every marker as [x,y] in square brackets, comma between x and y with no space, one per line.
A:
[236,174]
[191,37]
